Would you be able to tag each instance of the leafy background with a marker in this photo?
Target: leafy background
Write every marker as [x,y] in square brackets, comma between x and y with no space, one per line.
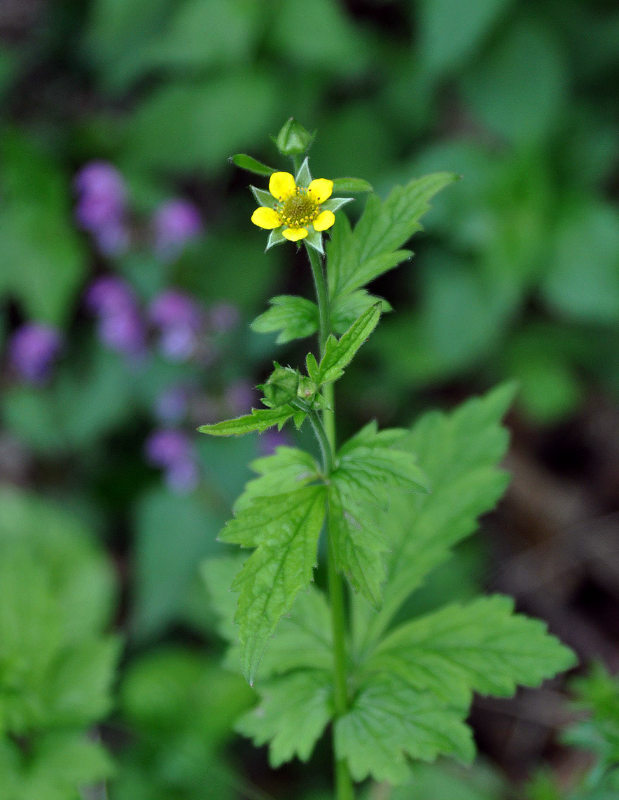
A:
[516,276]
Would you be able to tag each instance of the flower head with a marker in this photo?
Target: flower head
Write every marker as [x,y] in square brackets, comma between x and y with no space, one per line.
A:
[33,349]
[296,208]
[120,325]
[175,223]
[101,206]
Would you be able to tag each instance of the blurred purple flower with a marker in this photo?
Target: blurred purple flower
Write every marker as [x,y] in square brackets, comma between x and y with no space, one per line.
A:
[121,327]
[173,451]
[101,205]
[272,439]
[175,223]
[180,320]
[33,349]
[223,317]
[172,404]
[239,397]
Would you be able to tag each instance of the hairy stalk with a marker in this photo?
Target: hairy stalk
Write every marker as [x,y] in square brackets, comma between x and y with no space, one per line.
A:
[325,433]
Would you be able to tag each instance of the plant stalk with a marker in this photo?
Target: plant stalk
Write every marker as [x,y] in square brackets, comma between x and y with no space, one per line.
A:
[325,432]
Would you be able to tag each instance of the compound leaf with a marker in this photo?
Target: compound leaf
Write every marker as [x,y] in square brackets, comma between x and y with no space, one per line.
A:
[291,716]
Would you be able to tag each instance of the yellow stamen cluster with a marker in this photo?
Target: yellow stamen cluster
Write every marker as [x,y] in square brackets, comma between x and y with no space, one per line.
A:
[299,209]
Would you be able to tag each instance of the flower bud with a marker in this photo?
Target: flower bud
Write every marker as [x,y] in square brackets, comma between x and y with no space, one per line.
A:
[293,139]
[281,386]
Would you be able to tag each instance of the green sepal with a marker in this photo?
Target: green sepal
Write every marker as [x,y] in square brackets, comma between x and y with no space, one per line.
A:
[260,420]
[275,237]
[294,317]
[354,185]
[314,240]
[262,197]
[304,176]
[340,352]
[250,164]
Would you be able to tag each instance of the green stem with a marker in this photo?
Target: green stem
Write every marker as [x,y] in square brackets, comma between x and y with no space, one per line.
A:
[325,433]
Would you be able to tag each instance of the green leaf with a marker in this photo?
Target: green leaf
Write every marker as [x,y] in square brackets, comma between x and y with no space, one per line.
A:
[294,317]
[340,352]
[367,465]
[347,307]
[286,470]
[389,721]
[291,716]
[302,639]
[42,255]
[459,453]
[352,185]
[165,566]
[519,88]
[260,419]
[358,545]
[250,164]
[482,646]
[449,30]
[359,256]
[284,529]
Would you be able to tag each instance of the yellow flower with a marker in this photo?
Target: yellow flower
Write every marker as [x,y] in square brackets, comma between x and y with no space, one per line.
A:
[296,208]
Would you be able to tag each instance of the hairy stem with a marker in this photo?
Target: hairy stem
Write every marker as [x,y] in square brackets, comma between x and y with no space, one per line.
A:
[325,432]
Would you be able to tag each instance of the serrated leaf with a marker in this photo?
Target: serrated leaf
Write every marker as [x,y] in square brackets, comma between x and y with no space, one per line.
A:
[251,164]
[302,639]
[366,465]
[340,352]
[359,256]
[358,546]
[260,419]
[294,318]
[354,185]
[286,470]
[347,307]
[291,716]
[482,646]
[459,453]
[390,722]
[285,530]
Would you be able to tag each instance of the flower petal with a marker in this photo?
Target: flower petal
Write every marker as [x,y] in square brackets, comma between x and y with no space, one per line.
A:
[320,189]
[324,220]
[267,218]
[294,234]
[282,185]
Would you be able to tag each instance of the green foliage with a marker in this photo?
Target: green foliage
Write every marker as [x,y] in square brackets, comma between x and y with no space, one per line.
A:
[294,318]
[260,419]
[180,707]
[597,694]
[284,530]
[56,662]
[414,683]
[340,352]
[43,262]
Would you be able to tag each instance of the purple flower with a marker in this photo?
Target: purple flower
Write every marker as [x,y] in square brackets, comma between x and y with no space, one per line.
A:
[101,205]
[171,405]
[240,397]
[180,320]
[121,327]
[271,439]
[175,223]
[172,451]
[33,349]
[223,317]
